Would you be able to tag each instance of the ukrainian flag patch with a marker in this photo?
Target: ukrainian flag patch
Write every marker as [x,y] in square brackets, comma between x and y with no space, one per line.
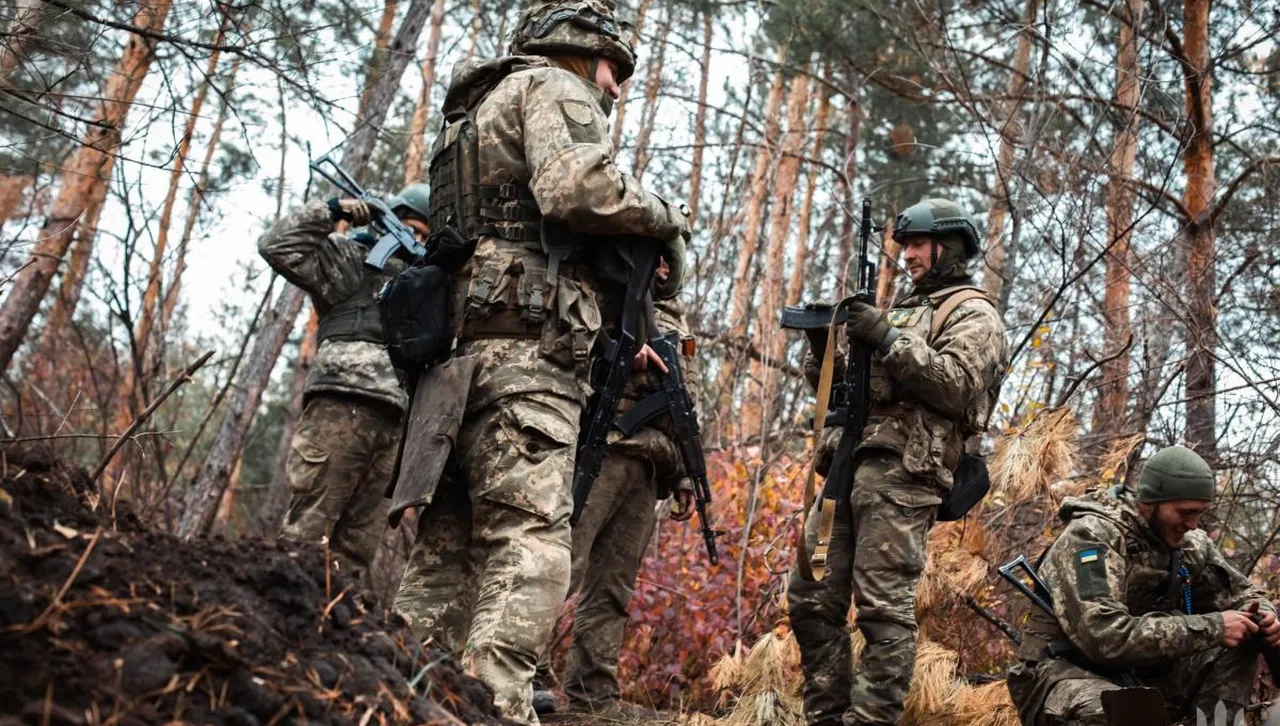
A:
[1088,556]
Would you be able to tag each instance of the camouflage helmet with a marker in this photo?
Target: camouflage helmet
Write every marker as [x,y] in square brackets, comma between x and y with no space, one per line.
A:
[586,27]
[938,217]
[415,198]
[1175,473]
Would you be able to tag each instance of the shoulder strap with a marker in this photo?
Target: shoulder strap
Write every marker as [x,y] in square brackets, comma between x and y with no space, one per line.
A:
[946,301]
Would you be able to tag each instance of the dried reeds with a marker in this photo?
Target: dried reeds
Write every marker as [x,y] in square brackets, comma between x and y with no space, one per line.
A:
[956,564]
[768,682]
[1028,462]
[933,685]
[985,705]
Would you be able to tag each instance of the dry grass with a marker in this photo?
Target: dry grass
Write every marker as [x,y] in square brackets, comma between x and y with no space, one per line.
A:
[1028,462]
[1111,465]
[985,705]
[934,684]
[768,682]
[956,564]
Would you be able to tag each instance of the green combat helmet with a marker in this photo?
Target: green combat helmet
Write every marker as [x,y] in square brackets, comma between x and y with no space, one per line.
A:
[587,28]
[939,217]
[1175,473]
[415,199]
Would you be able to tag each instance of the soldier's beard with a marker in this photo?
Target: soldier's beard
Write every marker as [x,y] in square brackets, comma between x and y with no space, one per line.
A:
[1162,530]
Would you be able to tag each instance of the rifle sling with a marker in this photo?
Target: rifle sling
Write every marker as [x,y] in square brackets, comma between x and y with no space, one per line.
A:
[814,568]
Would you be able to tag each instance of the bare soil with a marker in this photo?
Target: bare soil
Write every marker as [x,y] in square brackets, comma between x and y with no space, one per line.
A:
[119,625]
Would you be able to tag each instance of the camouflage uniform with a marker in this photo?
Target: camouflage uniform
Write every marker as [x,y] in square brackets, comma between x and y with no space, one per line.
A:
[344,446]
[926,396]
[1120,605]
[613,533]
[491,562]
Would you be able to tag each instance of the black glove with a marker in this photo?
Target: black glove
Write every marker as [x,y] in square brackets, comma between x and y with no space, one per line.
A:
[868,324]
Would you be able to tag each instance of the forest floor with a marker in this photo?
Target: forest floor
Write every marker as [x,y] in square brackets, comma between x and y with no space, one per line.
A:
[104,622]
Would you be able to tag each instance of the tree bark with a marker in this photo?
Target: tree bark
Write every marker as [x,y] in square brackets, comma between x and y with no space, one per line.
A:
[700,124]
[84,180]
[795,287]
[474,48]
[377,58]
[65,302]
[22,25]
[844,186]
[1113,394]
[1198,162]
[753,218]
[12,192]
[620,115]
[652,86]
[210,485]
[888,271]
[278,492]
[769,337]
[1010,129]
[418,128]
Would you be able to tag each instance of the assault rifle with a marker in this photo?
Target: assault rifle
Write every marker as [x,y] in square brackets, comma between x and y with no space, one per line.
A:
[392,233]
[673,399]
[850,399]
[612,373]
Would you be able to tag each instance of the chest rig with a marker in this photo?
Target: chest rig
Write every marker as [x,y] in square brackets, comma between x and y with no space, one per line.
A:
[358,316]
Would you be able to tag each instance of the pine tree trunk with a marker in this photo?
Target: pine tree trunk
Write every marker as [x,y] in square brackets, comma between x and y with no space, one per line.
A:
[1198,162]
[752,222]
[474,48]
[195,202]
[888,271]
[853,108]
[202,500]
[795,287]
[1010,129]
[418,128]
[67,299]
[620,114]
[700,125]
[12,193]
[377,58]
[84,180]
[22,25]
[1113,395]
[278,493]
[768,336]
[652,86]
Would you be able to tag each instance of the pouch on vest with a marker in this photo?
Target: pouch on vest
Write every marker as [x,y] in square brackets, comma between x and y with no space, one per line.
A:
[416,317]
[970,483]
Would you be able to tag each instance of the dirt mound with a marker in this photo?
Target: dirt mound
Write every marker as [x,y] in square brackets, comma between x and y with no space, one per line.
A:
[103,626]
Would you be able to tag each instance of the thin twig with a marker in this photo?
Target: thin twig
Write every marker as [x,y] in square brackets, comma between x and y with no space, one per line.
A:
[53,604]
[1080,379]
[182,378]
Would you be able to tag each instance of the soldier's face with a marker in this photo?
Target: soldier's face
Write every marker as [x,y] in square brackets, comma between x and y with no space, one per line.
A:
[607,78]
[917,255]
[1172,520]
[419,227]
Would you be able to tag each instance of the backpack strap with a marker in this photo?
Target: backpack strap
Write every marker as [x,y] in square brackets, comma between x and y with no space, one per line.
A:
[946,301]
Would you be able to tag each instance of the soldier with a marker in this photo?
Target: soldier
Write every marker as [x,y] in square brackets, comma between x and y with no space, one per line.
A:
[1142,595]
[933,383]
[610,540]
[490,564]
[345,443]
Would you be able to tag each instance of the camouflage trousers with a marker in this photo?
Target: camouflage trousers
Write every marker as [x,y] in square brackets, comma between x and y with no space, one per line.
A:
[608,545]
[340,461]
[490,566]
[1195,684]
[876,556]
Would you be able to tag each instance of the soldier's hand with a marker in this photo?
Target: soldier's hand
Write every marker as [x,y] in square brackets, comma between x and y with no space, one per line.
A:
[868,323]
[1269,628]
[683,508]
[1239,628]
[357,212]
[646,357]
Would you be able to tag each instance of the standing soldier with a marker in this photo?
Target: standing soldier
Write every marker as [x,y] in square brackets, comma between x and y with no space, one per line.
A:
[933,383]
[1141,594]
[523,171]
[611,537]
[345,443]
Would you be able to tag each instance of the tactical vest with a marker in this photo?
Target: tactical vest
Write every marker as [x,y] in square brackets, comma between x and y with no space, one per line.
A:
[357,317]
[928,440]
[462,209]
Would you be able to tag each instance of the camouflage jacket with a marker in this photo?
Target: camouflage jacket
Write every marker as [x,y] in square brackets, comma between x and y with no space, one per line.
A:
[544,128]
[1118,594]
[654,443]
[928,395]
[303,248]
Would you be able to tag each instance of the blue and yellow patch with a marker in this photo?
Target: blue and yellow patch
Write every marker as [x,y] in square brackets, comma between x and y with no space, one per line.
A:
[1091,574]
[1088,556]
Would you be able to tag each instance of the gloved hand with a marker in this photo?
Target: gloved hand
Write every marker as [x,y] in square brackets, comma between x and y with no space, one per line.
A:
[353,210]
[868,324]
[673,252]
